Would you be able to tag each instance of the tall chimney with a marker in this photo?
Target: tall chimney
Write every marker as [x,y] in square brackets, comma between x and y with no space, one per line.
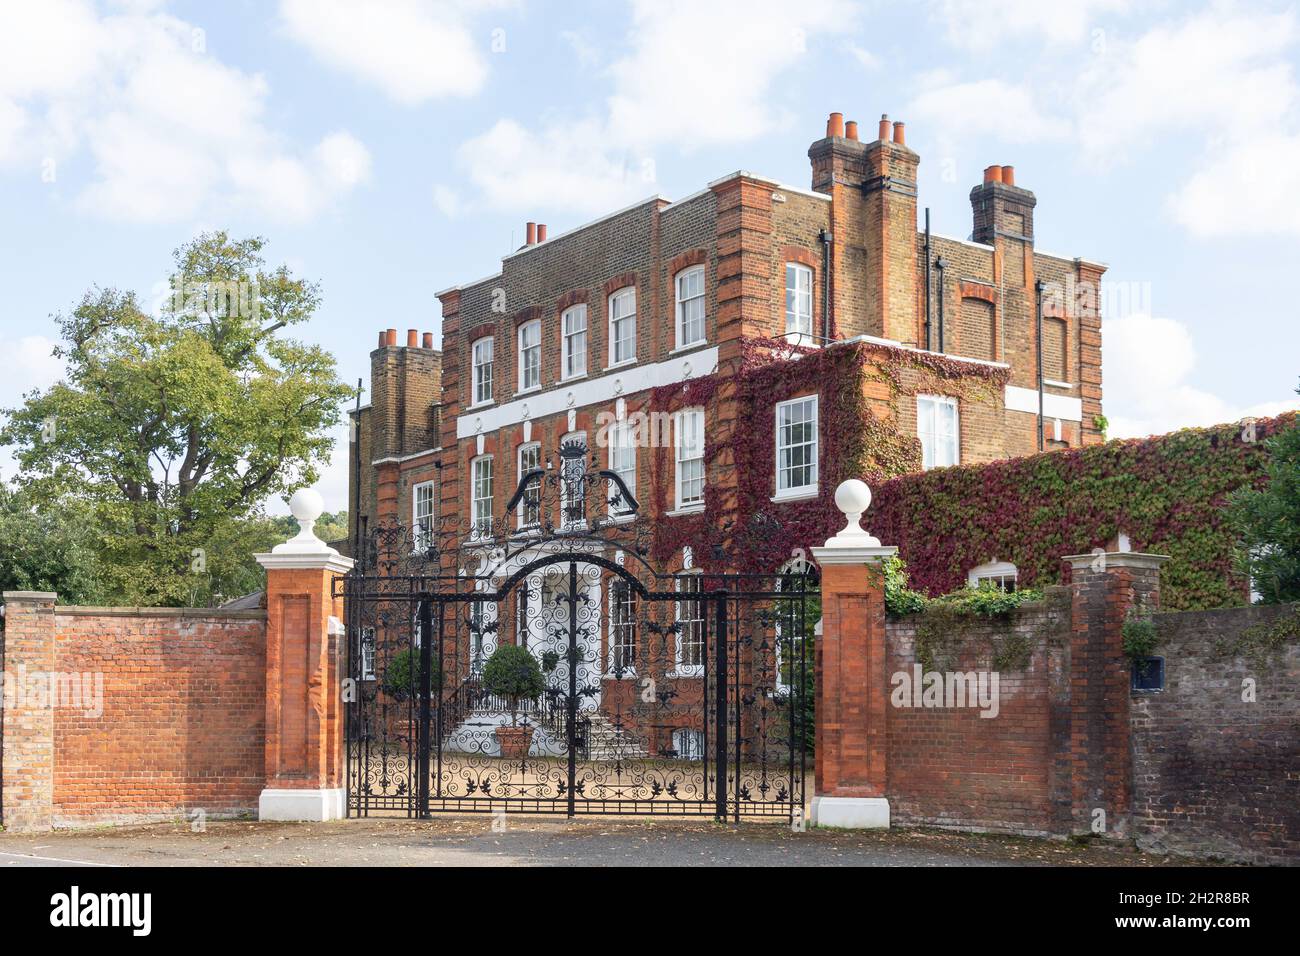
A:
[390,337]
[383,338]
[851,130]
[835,124]
[428,340]
[884,128]
[1009,175]
[541,232]
[898,134]
[412,338]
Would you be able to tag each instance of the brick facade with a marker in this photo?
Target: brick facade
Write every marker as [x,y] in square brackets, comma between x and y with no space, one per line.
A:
[856,231]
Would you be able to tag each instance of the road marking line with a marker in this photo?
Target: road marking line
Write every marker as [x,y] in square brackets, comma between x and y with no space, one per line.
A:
[55,859]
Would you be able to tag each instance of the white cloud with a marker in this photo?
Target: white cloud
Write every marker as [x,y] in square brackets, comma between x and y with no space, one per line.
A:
[1249,188]
[447,201]
[413,50]
[686,86]
[569,166]
[173,133]
[1218,73]
[1009,112]
[866,59]
[983,24]
[1148,361]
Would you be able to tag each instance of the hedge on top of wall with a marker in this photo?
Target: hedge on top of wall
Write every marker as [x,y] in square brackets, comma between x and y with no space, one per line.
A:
[1168,493]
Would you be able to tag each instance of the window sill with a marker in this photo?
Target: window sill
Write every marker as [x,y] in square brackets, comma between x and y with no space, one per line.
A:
[685,510]
[528,391]
[686,673]
[573,378]
[621,519]
[628,673]
[796,494]
[702,343]
[623,364]
[487,404]
[1051,384]
[801,339]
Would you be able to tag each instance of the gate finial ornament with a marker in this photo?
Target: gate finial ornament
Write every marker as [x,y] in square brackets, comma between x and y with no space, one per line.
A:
[853,498]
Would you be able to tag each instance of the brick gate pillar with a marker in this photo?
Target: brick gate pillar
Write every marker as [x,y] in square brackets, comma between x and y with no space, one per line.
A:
[852,685]
[27,761]
[304,671]
[1104,589]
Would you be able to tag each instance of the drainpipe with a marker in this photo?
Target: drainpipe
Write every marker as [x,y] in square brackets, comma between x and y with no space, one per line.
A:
[356,474]
[826,240]
[941,264]
[927,278]
[1038,314]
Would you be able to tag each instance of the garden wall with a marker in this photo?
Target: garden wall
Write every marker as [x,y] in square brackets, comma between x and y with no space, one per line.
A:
[1216,773]
[952,767]
[151,713]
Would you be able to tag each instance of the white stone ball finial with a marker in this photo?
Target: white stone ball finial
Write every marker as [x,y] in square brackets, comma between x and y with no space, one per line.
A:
[853,498]
[306,505]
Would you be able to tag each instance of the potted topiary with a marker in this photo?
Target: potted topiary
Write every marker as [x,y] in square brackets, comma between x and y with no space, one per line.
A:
[512,674]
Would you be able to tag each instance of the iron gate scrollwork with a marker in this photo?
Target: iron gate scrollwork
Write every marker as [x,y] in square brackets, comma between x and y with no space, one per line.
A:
[684,693]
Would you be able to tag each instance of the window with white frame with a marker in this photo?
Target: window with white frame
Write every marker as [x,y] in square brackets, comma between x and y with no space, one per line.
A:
[622,461]
[689,744]
[422,514]
[622,326]
[530,508]
[796,446]
[690,626]
[689,441]
[690,306]
[798,299]
[937,428]
[481,496]
[482,365]
[530,355]
[622,628]
[574,321]
[1001,574]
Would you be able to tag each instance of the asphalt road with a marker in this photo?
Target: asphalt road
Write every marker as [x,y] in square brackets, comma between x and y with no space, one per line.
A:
[533,841]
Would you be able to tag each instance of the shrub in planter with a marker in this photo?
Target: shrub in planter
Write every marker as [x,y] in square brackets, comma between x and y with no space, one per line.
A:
[512,674]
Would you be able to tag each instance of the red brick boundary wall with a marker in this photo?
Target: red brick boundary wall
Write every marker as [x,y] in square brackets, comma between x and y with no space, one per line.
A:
[160,713]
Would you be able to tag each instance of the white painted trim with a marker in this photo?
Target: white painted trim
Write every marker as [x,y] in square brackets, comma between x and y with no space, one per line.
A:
[851,813]
[592,391]
[467,285]
[331,561]
[1019,399]
[803,491]
[796,494]
[864,554]
[301,806]
[657,197]
[398,459]
[1053,384]
[891,343]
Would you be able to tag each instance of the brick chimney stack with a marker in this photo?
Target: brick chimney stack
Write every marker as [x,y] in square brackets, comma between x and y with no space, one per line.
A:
[1000,206]
[872,186]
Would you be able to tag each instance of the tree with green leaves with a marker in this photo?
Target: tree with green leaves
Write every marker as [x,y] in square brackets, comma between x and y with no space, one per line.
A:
[173,429]
[41,552]
[1268,521]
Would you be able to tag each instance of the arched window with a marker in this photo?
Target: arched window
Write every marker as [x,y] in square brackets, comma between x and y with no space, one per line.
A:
[1002,574]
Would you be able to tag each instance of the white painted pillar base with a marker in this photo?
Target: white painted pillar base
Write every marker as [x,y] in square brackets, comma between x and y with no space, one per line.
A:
[300,806]
[851,813]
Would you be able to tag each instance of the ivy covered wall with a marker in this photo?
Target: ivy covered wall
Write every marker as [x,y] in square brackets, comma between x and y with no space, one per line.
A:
[1167,493]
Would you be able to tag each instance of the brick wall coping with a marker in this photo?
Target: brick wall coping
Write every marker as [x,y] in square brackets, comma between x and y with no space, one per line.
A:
[398,459]
[1118,559]
[30,596]
[82,610]
[892,344]
[1263,611]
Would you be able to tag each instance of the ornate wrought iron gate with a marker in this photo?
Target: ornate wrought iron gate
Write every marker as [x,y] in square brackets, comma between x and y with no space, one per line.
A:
[683,693]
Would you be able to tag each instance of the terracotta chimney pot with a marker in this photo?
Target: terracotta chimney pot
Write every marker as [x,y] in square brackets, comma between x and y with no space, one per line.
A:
[851,130]
[898,135]
[530,232]
[428,340]
[884,128]
[390,337]
[835,125]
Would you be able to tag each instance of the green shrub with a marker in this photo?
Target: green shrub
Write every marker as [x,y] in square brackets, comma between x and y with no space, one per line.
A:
[402,675]
[512,673]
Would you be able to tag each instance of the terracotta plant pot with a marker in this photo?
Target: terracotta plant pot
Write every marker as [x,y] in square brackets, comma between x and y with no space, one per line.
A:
[514,741]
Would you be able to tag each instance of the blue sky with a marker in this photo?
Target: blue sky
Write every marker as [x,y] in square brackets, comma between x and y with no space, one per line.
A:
[393,148]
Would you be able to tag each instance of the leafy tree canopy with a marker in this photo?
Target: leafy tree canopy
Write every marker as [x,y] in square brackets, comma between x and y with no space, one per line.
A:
[172,430]
[1268,520]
